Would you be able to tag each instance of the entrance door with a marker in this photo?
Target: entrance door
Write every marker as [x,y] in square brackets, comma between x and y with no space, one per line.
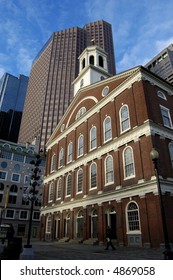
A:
[94,226]
[113,225]
[80,227]
[57,229]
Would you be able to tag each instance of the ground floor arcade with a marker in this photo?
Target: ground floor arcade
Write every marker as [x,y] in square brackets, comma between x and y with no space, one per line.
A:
[134,221]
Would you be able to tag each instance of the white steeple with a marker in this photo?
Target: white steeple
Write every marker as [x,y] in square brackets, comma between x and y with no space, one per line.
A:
[93,67]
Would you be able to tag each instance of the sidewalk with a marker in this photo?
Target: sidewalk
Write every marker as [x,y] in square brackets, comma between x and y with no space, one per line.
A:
[55,251]
[66,251]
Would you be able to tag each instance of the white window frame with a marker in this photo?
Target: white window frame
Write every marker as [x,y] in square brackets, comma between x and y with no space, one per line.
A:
[107,131]
[24,211]
[161,95]
[93,138]
[59,189]
[170,146]
[51,192]
[80,149]
[135,231]
[5,173]
[70,152]
[48,224]
[61,157]
[124,120]
[130,163]
[94,187]
[53,163]
[14,174]
[9,210]
[168,117]
[79,171]
[68,186]
[107,182]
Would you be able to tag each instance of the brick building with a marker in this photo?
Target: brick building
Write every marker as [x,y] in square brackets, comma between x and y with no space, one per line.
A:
[98,170]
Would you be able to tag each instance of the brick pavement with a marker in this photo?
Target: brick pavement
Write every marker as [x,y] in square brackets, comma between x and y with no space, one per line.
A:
[56,251]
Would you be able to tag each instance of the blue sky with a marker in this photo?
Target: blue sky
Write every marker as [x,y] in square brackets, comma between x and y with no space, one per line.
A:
[140,28]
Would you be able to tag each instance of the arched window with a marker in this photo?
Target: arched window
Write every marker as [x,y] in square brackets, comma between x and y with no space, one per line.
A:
[129,169]
[124,118]
[59,189]
[80,145]
[171,152]
[13,188]
[48,224]
[68,185]
[101,61]
[53,163]
[133,222]
[51,192]
[109,173]
[70,152]
[80,180]
[80,112]
[93,175]
[93,138]
[161,95]
[61,157]
[91,59]
[107,128]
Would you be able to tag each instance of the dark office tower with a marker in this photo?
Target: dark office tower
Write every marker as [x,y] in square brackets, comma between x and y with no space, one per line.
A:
[50,87]
[162,64]
[12,96]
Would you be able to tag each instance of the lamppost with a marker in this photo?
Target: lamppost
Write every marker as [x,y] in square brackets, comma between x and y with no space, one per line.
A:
[31,194]
[168,254]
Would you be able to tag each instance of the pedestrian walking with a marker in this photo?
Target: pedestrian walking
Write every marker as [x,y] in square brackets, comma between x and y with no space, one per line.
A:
[108,238]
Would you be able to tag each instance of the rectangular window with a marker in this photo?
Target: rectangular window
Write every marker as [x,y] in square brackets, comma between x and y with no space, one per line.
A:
[23,215]
[18,157]
[15,177]
[166,116]
[3,175]
[36,215]
[9,214]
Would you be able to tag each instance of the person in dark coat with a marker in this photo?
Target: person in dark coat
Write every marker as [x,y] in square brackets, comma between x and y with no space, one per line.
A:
[108,239]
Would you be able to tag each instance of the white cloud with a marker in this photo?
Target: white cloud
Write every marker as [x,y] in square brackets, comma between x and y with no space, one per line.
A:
[24,61]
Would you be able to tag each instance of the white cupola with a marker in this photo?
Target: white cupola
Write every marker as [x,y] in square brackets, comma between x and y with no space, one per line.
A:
[93,67]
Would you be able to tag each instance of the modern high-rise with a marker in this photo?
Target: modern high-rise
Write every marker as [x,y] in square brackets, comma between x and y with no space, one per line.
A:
[12,96]
[50,88]
[162,64]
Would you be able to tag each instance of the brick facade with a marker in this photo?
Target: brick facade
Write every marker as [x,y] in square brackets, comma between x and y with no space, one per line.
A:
[129,190]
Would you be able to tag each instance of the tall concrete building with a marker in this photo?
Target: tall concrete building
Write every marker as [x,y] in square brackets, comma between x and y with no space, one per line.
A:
[162,64]
[12,97]
[50,88]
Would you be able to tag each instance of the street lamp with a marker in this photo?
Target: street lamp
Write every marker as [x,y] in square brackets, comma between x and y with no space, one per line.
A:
[31,193]
[168,253]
